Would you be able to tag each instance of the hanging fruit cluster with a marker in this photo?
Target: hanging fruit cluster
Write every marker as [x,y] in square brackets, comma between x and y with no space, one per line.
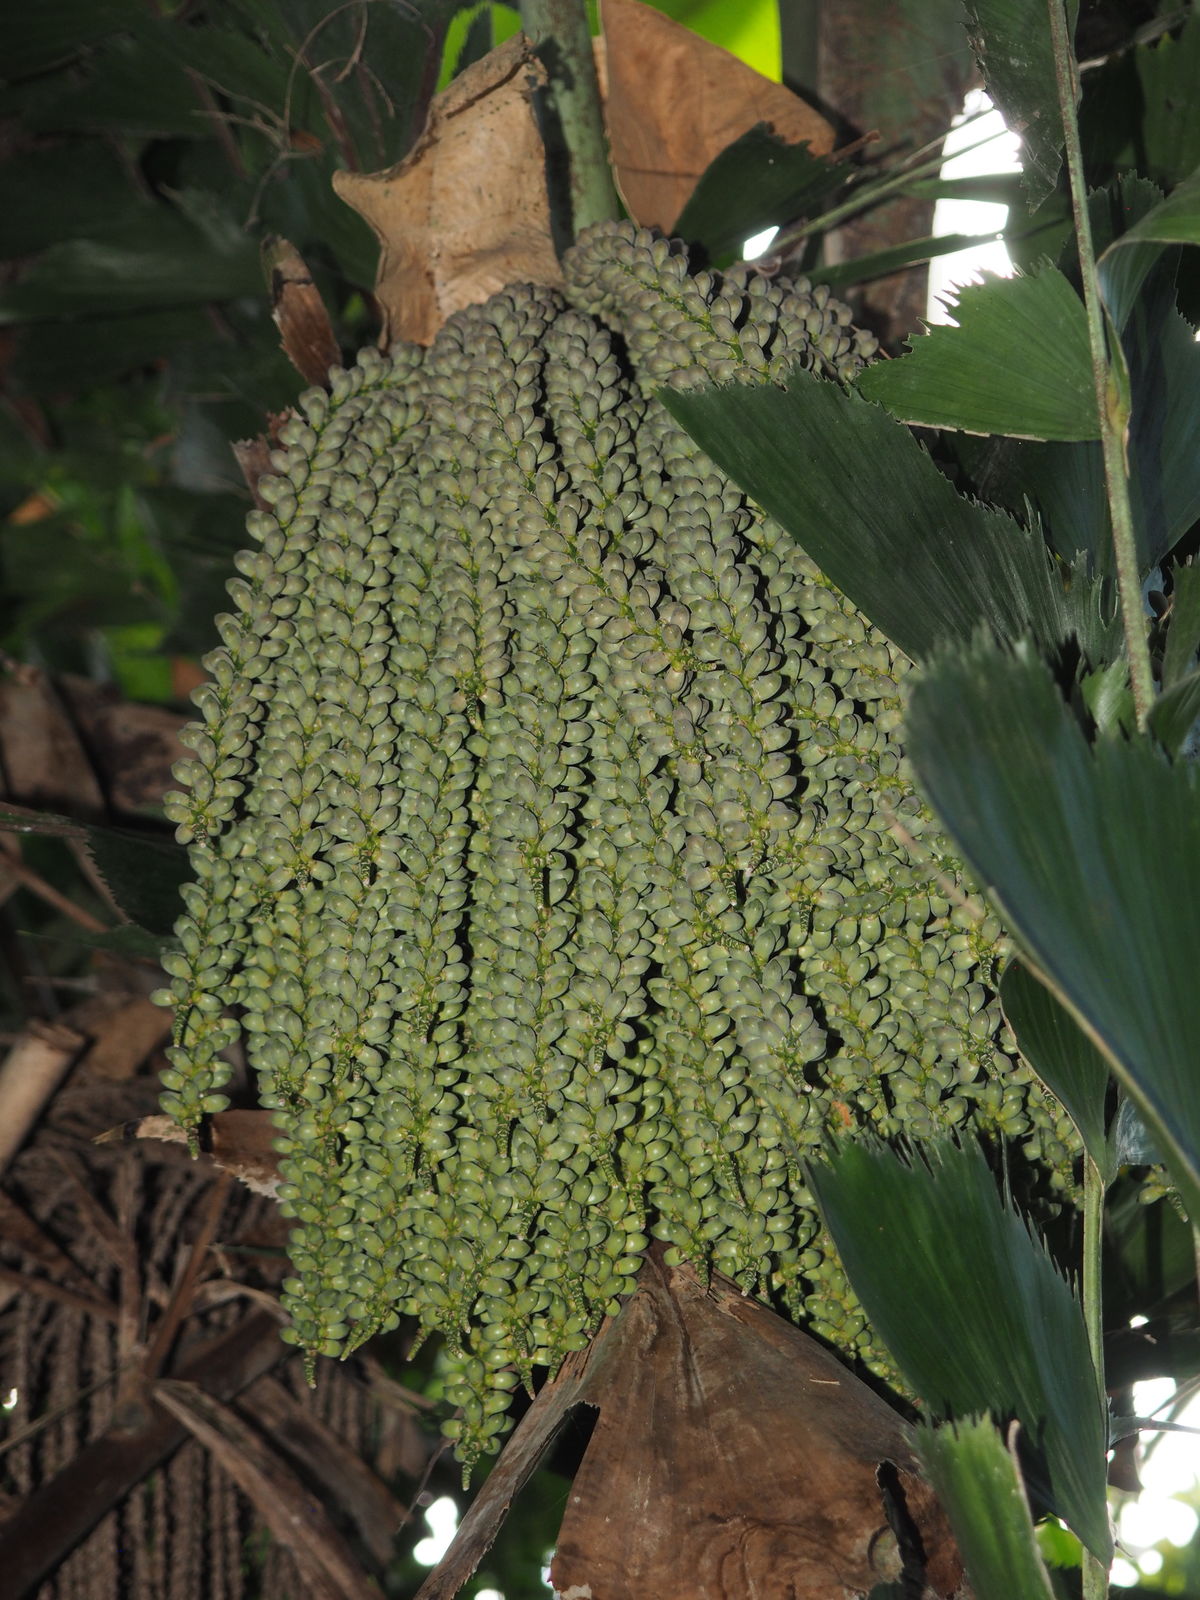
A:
[541,813]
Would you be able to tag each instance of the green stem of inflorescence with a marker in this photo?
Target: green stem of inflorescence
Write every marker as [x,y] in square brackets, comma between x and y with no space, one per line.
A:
[1093,1239]
[1095,1573]
[1113,409]
[1114,419]
[1111,404]
[559,33]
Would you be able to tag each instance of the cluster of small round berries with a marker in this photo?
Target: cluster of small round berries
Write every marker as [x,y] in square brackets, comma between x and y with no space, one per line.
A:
[554,854]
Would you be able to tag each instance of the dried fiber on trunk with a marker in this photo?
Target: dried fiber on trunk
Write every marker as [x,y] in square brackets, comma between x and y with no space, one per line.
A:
[187,1529]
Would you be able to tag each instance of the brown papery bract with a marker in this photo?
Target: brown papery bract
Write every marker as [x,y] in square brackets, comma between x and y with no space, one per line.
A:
[675,101]
[732,1456]
[466,212]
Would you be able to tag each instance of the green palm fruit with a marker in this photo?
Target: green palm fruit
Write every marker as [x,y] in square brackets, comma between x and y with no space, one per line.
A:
[542,816]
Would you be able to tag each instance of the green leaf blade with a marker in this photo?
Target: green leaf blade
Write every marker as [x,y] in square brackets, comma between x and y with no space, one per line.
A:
[1175,221]
[979,1485]
[144,871]
[1140,109]
[1092,855]
[1065,481]
[881,263]
[1011,41]
[145,874]
[1018,364]
[1183,635]
[1061,1054]
[157,262]
[1174,713]
[757,180]
[36,38]
[980,1319]
[925,564]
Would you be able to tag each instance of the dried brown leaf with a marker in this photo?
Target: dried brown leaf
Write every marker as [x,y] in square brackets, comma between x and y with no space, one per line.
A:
[124,1029]
[518,1461]
[14,870]
[71,745]
[253,456]
[28,819]
[325,1561]
[186,674]
[727,1434]
[18,1228]
[240,1142]
[180,1305]
[132,746]
[300,314]
[43,760]
[31,1072]
[675,101]
[60,1293]
[403,1443]
[345,1479]
[466,212]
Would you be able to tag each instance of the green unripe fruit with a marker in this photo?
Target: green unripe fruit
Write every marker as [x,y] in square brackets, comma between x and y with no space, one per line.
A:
[541,821]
